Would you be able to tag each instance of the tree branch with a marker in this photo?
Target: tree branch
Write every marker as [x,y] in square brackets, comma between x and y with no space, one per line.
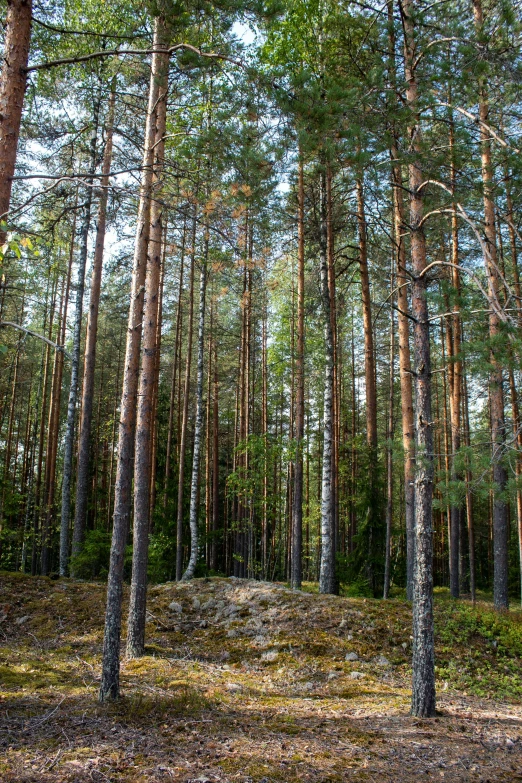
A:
[35,334]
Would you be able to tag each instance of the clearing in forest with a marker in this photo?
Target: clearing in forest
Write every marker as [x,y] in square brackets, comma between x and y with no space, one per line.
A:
[250,681]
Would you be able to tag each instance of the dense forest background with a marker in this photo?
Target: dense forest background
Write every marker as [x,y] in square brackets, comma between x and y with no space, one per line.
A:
[316,208]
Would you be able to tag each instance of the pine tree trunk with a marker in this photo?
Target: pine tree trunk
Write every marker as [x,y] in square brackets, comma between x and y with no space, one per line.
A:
[177,340]
[389,454]
[75,354]
[297,511]
[496,390]
[370,386]
[408,432]
[13,81]
[82,480]
[144,422]
[110,681]
[423,687]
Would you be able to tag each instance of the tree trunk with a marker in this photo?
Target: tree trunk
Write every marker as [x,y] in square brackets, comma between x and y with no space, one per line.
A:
[327,578]
[198,427]
[75,355]
[110,681]
[297,511]
[389,454]
[455,384]
[423,688]
[408,432]
[13,80]
[370,388]
[184,420]
[144,423]
[496,390]
[82,480]
[215,463]
[177,340]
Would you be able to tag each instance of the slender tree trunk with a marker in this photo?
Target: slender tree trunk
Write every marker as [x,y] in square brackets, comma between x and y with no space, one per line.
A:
[110,682]
[327,578]
[177,340]
[408,432]
[297,522]
[198,428]
[455,384]
[469,496]
[389,454]
[215,463]
[75,355]
[13,80]
[144,423]
[155,391]
[369,352]
[264,429]
[82,481]
[184,421]
[496,390]
[370,385]
[423,690]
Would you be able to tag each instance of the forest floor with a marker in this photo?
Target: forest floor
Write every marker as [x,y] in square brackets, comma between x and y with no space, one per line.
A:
[249,681]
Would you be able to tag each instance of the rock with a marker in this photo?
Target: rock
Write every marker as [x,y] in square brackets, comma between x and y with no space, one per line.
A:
[332,675]
[308,686]
[22,620]
[404,645]
[349,637]
[225,655]
[196,604]
[203,624]
[234,687]
[175,607]
[351,656]
[509,743]
[343,623]
[261,640]
[233,633]
[356,675]
[210,604]
[381,660]
[270,656]
[230,610]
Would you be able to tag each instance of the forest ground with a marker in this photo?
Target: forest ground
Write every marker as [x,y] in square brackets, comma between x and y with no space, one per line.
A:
[248,681]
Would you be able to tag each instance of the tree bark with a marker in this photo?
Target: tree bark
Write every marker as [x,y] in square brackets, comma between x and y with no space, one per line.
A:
[144,422]
[13,80]
[496,389]
[75,355]
[297,511]
[215,462]
[177,340]
[423,685]
[82,481]
[198,427]
[110,681]
[389,454]
[184,420]
[327,577]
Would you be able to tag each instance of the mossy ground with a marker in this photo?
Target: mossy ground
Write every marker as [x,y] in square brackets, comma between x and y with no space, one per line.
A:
[249,682]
